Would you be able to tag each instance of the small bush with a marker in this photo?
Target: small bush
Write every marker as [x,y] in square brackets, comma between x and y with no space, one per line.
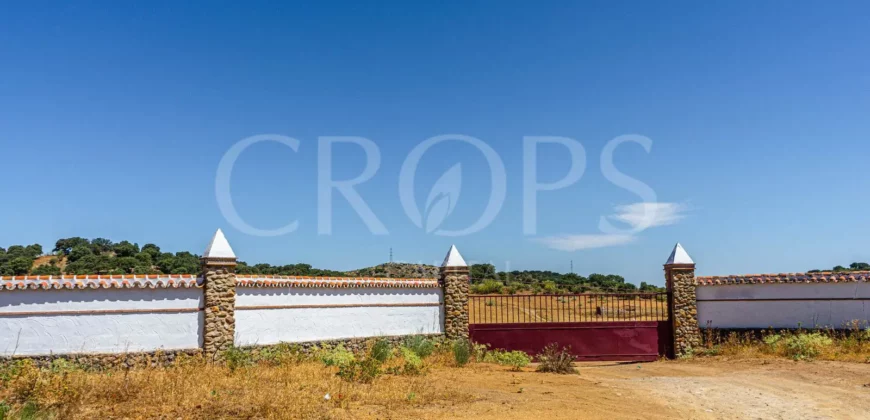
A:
[365,371]
[236,358]
[556,360]
[806,346]
[488,286]
[62,366]
[479,351]
[338,356]
[4,410]
[514,288]
[413,362]
[278,354]
[381,351]
[515,359]
[798,346]
[420,345]
[462,352]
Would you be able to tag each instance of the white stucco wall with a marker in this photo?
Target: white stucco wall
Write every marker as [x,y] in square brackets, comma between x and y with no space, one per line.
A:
[360,318]
[45,333]
[783,305]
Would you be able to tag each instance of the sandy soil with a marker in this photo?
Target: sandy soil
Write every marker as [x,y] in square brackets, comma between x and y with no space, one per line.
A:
[698,389]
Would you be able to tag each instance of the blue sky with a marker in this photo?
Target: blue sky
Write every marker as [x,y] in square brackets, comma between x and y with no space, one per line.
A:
[113,119]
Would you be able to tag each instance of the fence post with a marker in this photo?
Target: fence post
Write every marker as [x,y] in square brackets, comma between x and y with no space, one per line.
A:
[682,303]
[219,288]
[454,283]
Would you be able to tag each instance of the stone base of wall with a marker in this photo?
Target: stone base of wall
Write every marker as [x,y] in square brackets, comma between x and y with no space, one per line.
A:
[169,357]
[160,358]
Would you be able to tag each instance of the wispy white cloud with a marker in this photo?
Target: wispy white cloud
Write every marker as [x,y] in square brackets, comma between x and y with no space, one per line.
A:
[646,215]
[587,241]
[639,216]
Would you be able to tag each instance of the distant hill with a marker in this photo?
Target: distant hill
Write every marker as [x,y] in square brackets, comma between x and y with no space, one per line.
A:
[102,256]
[397,270]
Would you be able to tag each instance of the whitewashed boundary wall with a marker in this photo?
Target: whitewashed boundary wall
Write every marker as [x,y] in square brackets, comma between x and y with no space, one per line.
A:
[211,312]
[64,315]
[807,300]
[269,315]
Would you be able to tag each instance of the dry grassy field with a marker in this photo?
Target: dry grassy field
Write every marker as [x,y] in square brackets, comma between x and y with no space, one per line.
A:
[487,309]
[707,388]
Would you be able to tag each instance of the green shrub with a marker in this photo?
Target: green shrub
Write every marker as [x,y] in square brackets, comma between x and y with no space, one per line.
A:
[236,358]
[515,359]
[413,361]
[337,356]
[549,287]
[479,351]
[806,346]
[381,351]
[420,345]
[462,352]
[278,354]
[513,288]
[798,346]
[62,365]
[364,371]
[556,360]
[4,410]
[488,286]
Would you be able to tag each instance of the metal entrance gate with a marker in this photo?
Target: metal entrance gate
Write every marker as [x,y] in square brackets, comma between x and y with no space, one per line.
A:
[599,326]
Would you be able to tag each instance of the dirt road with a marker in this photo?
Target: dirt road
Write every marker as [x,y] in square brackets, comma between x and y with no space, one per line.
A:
[698,389]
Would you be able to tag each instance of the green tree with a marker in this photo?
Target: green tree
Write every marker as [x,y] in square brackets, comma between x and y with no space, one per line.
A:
[33,250]
[124,265]
[16,251]
[20,266]
[481,272]
[152,250]
[90,264]
[125,249]
[79,252]
[859,266]
[101,245]
[46,270]
[66,245]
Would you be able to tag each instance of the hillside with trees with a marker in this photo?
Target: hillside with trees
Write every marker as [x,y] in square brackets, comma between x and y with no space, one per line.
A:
[855,266]
[79,255]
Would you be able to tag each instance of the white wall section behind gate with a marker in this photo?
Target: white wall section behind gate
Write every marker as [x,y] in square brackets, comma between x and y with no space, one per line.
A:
[287,314]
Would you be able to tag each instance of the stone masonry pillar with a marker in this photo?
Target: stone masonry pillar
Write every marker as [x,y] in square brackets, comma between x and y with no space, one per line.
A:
[455,283]
[219,287]
[682,302]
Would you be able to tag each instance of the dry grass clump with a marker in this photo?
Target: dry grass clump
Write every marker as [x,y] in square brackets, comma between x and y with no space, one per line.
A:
[277,386]
[556,360]
[851,344]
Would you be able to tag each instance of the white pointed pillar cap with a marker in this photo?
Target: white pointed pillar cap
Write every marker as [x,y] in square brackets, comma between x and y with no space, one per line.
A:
[453,258]
[219,248]
[679,256]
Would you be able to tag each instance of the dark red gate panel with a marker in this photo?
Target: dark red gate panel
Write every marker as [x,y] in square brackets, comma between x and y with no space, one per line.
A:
[612,340]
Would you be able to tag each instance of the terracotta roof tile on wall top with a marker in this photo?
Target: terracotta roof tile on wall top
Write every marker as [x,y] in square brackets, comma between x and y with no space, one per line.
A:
[94,281]
[782,278]
[331,282]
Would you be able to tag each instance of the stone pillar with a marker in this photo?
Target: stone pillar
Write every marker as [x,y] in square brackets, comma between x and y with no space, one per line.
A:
[455,283]
[682,302]
[219,287]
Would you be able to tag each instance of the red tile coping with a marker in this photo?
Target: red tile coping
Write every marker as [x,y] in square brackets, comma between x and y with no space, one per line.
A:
[162,281]
[784,278]
[331,282]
